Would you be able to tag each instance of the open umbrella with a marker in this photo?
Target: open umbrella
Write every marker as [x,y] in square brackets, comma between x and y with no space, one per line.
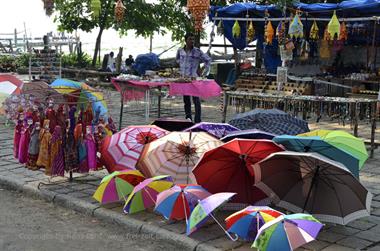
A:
[272,122]
[123,149]
[173,124]
[176,154]
[178,201]
[9,85]
[343,140]
[226,169]
[287,232]
[316,144]
[310,182]
[117,186]
[247,222]
[204,210]
[248,134]
[144,195]
[41,92]
[217,130]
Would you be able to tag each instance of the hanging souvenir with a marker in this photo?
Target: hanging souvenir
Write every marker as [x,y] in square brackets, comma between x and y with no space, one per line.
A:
[51,116]
[280,32]
[333,27]
[24,141]
[48,6]
[81,149]
[324,51]
[90,148]
[198,10]
[44,152]
[119,11]
[34,147]
[88,116]
[96,8]
[250,32]
[314,31]
[61,118]
[111,125]
[17,136]
[72,118]
[326,35]
[269,33]
[343,34]
[236,29]
[56,153]
[304,50]
[70,149]
[219,28]
[296,27]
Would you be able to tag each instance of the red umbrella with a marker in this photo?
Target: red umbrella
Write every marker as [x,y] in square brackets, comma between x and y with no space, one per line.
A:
[227,168]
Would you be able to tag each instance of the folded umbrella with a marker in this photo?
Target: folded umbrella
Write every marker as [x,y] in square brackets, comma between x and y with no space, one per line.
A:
[217,130]
[248,134]
[310,182]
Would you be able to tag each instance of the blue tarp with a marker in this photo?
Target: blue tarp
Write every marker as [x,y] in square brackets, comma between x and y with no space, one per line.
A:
[144,62]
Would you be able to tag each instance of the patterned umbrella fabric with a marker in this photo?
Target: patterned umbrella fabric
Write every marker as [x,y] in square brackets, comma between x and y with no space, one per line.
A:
[173,124]
[217,130]
[178,201]
[272,122]
[117,186]
[204,210]
[343,140]
[123,149]
[176,154]
[144,195]
[247,222]
[227,169]
[9,85]
[316,144]
[310,182]
[287,232]
[248,134]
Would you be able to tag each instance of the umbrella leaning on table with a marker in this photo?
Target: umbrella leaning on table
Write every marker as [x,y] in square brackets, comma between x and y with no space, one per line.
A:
[316,144]
[248,134]
[310,182]
[217,130]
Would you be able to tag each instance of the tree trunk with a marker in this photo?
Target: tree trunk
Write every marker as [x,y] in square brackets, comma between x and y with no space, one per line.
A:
[97,46]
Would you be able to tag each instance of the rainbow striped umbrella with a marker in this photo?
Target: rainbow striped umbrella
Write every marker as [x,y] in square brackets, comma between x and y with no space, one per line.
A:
[117,186]
[287,232]
[178,201]
[246,222]
[144,195]
[123,149]
[176,154]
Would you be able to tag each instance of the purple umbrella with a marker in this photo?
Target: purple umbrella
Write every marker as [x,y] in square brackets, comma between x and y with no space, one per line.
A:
[218,130]
[248,134]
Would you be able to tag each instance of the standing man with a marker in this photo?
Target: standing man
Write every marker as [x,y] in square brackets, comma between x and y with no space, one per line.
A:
[189,58]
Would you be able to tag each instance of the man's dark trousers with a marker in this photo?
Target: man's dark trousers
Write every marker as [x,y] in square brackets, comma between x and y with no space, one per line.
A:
[197,105]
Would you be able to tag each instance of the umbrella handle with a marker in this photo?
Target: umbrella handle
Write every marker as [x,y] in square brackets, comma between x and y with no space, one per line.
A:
[225,231]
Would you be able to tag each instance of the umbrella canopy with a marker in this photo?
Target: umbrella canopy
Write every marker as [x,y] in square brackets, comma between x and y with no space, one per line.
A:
[41,92]
[123,149]
[316,144]
[144,195]
[178,201]
[176,154]
[272,122]
[81,93]
[117,186]
[204,209]
[217,130]
[287,232]
[173,124]
[248,134]
[246,222]
[310,182]
[343,140]
[9,85]
[226,168]
[258,111]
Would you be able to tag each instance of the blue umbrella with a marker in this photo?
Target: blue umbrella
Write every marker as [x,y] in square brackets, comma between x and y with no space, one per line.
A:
[316,144]
[248,134]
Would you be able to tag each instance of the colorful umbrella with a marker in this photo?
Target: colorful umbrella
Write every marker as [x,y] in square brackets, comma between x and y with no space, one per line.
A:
[173,124]
[217,130]
[226,168]
[176,154]
[310,182]
[272,121]
[8,85]
[144,195]
[287,232]
[248,134]
[343,140]
[123,149]
[117,186]
[178,201]
[82,94]
[204,209]
[316,144]
[246,222]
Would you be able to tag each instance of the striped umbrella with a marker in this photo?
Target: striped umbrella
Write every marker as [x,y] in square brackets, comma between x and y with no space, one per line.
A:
[144,195]
[123,149]
[117,186]
[178,201]
[8,85]
[217,130]
[176,154]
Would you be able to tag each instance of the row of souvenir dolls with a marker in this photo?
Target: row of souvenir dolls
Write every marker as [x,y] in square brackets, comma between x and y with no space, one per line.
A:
[62,144]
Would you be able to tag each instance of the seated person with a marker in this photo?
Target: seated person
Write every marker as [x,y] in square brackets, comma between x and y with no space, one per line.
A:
[111,66]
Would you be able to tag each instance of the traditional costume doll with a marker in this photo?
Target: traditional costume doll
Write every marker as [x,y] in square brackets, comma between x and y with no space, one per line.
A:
[111,125]
[97,115]
[61,118]
[34,147]
[81,148]
[70,150]
[72,118]
[17,136]
[90,148]
[44,153]
[88,116]
[56,153]
[24,141]
[51,116]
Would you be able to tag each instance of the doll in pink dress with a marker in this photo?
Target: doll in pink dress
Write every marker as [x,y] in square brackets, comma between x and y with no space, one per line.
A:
[91,149]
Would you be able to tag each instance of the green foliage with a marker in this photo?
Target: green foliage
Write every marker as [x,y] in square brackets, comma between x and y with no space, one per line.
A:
[22,60]
[73,60]
[7,63]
